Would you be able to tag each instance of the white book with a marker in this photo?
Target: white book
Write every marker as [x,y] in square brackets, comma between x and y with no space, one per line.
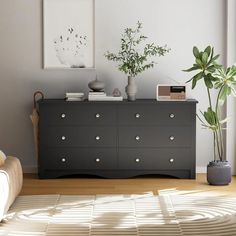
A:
[74,94]
[74,99]
[107,98]
[97,96]
[97,93]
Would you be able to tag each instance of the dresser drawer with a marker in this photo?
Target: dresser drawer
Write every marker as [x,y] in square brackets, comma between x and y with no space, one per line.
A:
[77,114]
[78,158]
[153,114]
[156,136]
[70,136]
[155,159]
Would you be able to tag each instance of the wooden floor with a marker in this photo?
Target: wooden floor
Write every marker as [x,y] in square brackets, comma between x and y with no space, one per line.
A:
[32,185]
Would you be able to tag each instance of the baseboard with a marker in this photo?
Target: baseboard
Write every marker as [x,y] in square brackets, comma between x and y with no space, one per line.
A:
[34,170]
[30,169]
[201,169]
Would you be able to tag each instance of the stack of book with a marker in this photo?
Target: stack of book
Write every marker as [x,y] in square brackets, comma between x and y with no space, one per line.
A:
[102,96]
[74,97]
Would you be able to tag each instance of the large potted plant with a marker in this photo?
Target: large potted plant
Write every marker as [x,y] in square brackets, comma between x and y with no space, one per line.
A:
[134,56]
[215,77]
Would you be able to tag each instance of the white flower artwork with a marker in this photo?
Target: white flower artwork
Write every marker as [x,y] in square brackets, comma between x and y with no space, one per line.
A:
[68,33]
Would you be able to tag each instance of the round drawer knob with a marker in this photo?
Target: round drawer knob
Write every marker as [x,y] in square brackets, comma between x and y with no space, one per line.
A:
[63,115]
[137,160]
[63,138]
[172,138]
[172,115]
[97,115]
[97,138]
[137,115]
[171,160]
[97,160]
[137,138]
[63,159]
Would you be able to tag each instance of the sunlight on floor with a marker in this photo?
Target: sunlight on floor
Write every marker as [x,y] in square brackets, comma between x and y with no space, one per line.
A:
[172,211]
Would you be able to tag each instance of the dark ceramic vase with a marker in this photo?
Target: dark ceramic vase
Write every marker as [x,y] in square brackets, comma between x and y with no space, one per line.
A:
[219,173]
[96,85]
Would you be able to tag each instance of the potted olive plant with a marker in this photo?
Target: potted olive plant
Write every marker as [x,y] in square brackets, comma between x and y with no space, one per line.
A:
[215,77]
[134,56]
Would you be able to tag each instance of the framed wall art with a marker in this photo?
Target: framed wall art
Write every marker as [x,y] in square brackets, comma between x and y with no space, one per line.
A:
[68,27]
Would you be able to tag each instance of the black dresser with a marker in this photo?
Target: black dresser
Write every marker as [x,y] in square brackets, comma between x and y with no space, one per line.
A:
[117,139]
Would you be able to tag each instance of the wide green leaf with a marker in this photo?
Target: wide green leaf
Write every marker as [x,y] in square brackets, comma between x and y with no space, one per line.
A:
[196,78]
[208,50]
[199,62]
[196,52]
[211,117]
[211,69]
[231,71]
[208,82]
[204,58]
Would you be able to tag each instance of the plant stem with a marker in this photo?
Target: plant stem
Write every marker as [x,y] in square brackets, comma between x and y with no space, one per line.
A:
[209,97]
[217,144]
[216,140]
[214,135]
[219,126]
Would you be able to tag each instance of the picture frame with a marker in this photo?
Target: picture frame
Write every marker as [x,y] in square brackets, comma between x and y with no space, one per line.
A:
[68,39]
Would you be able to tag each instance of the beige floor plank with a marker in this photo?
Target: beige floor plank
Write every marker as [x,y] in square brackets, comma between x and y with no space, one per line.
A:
[32,186]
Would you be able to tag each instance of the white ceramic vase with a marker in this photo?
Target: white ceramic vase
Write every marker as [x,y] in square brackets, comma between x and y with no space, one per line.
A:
[131,89]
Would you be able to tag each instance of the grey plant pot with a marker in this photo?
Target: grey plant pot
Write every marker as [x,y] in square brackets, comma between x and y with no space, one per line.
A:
[219,173]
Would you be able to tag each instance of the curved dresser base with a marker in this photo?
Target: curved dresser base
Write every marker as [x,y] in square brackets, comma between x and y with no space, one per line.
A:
[116,174]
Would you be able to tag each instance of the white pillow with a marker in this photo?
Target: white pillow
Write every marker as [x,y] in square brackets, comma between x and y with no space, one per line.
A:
[2,157]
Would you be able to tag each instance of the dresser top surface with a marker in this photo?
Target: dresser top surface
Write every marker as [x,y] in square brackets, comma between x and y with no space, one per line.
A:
[138,101]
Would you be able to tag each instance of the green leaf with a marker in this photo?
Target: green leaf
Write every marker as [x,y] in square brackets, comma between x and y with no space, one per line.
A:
[231,72]
[196,78]
[189,80]
[196,52]
[199,62]
[208,82]
[208,50]
[223,95]
[192,68]
[211,117]
[218,85]
[194,83]
[208,118]
[211,69]
[215,57]
[212,54]
[204,58]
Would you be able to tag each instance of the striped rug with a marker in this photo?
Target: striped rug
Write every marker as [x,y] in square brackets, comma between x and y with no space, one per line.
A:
[129,215]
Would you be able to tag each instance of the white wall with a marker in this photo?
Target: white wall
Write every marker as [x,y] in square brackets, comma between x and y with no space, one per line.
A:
[180,24]
[231,102]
